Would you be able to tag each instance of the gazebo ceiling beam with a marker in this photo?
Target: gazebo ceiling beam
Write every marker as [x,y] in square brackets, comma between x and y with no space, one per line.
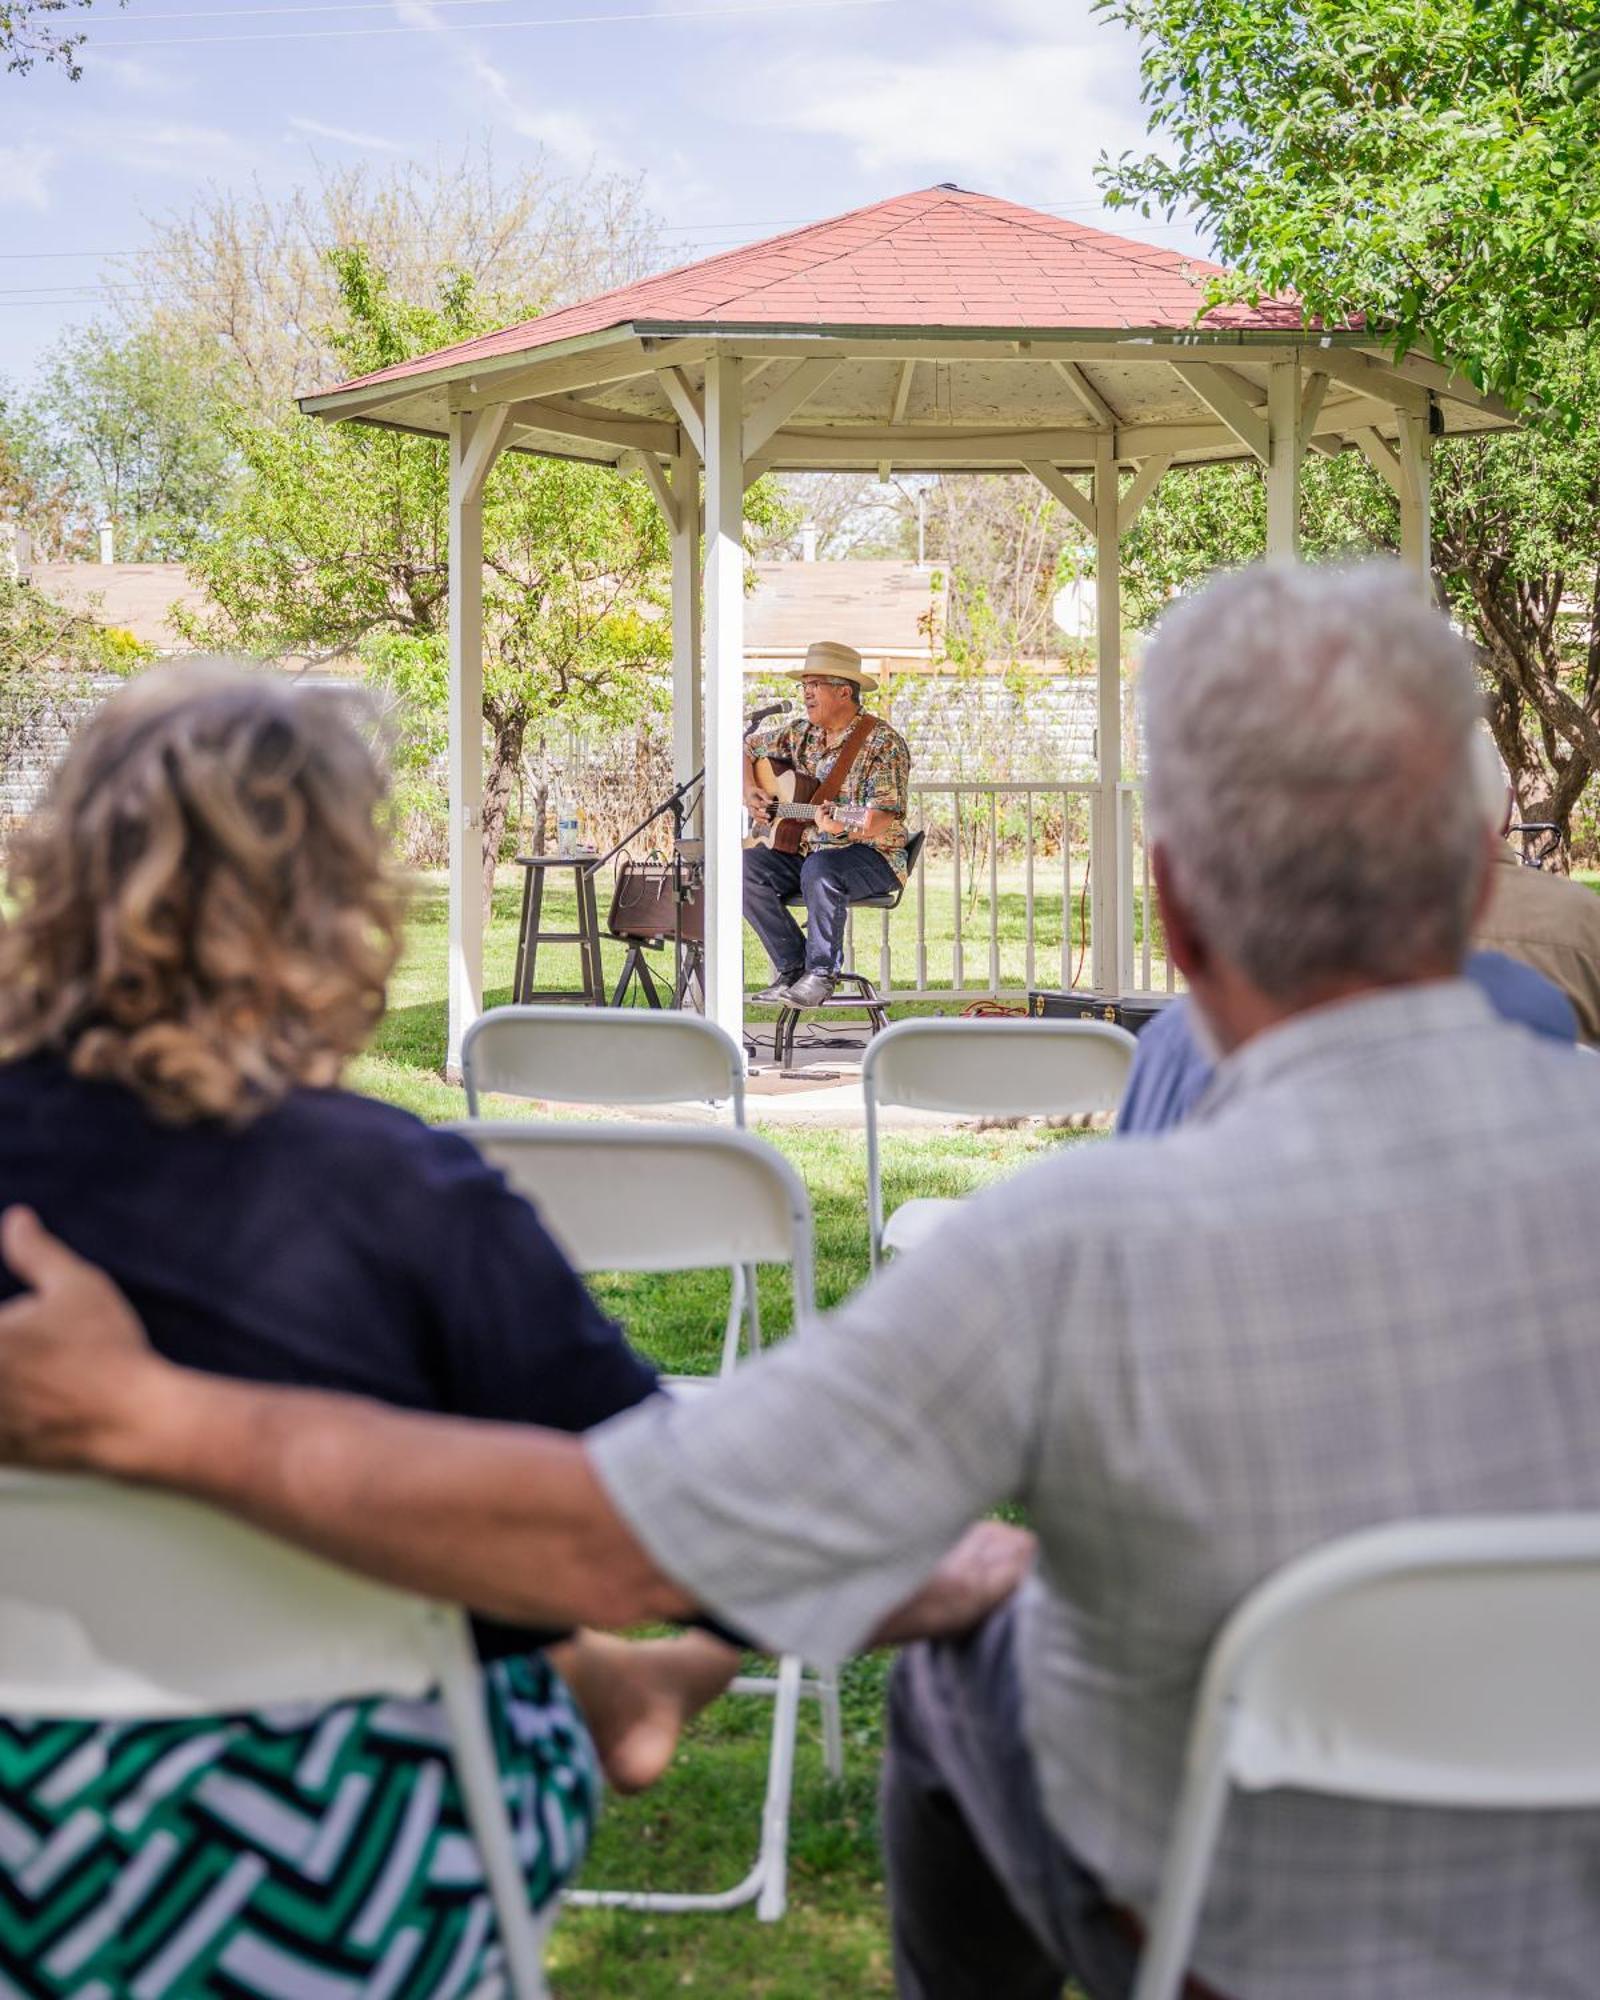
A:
[1443,381]
[783,402]
[621,433]
[1144,482]
[1099,410]
[648,467]
[1383,385]
[1060,487]
[557,377]
[691,414]
[870,344]
[1227,397]
[902,392]
[1311,401]
[1383,459]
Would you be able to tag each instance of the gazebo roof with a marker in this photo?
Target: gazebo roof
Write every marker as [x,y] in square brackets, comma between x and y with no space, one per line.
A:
[940,330]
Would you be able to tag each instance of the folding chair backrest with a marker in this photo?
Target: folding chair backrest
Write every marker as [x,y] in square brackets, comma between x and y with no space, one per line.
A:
[117,1604]
[602,1055]
[1449,1663]
[657,1198]
[999,1068]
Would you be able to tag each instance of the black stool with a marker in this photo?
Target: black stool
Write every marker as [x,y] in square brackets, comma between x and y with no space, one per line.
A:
[592,993]
[864,993]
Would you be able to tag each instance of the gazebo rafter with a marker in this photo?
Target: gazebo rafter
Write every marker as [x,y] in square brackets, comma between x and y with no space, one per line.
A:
[942,331]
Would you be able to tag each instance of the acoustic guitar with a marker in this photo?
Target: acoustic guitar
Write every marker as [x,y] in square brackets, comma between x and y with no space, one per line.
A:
[790,809]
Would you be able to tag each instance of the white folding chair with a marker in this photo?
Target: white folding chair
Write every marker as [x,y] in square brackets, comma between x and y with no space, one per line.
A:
[615,1056]
[1002,1069]
[682,1198]
[118,1604]
[1451,1663]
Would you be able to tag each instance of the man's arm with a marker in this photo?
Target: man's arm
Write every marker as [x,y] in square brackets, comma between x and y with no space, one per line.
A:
[508,1519]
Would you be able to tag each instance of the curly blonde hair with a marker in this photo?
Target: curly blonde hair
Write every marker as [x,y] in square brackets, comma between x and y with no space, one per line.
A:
[205,908]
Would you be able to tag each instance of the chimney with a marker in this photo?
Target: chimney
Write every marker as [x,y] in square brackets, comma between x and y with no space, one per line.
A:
[808,541]
[16,551]
[108,542]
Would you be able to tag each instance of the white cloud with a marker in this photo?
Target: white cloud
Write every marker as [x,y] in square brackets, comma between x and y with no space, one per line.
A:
[159,146]
[343,136]
[568,133]
[23,171]
[1029,117]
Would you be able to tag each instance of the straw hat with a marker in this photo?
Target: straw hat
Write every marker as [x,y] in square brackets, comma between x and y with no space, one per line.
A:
[830,659]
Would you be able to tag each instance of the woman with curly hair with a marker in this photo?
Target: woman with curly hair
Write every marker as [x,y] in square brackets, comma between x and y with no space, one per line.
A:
[205,923]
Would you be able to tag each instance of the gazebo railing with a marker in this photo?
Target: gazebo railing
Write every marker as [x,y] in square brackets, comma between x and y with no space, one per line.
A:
[1000,903]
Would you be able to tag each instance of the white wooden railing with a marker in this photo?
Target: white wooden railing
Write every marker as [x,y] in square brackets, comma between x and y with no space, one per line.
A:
[1005,907]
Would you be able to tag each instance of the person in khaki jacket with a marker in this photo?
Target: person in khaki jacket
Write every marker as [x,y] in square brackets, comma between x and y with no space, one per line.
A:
[1547,921]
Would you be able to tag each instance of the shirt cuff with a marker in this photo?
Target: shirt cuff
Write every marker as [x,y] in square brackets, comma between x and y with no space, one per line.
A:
[645,1460]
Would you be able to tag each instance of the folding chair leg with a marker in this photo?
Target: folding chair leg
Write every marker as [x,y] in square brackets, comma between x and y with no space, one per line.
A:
[832,1724]
[774,1861]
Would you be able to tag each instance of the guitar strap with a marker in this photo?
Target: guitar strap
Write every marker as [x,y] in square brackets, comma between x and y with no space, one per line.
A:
[828,790]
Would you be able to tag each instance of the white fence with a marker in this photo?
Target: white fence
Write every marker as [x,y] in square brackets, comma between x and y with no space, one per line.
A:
[1000,900]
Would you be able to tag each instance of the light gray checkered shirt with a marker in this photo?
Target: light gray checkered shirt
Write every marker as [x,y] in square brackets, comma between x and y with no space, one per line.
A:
[1361,1285]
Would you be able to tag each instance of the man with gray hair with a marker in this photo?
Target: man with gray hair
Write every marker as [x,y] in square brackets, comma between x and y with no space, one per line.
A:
[1359,1286]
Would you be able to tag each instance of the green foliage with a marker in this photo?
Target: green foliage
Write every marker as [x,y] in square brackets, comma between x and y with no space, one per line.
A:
[337,542]
[125,428]
[31,31]
[1433,164]
[48,658]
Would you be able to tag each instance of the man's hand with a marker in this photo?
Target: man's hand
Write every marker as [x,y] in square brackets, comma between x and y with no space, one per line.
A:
[757,804]
[77,1376]
[975,1578]
[828,824]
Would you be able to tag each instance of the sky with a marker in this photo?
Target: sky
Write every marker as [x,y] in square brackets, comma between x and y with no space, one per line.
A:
[743,117]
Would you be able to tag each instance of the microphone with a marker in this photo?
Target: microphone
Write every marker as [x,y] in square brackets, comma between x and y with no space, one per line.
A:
[761,714]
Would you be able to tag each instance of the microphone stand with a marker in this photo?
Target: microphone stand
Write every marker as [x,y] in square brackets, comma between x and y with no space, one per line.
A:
[675,803]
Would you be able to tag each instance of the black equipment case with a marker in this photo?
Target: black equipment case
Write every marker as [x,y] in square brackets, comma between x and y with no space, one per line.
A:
[1134,1011]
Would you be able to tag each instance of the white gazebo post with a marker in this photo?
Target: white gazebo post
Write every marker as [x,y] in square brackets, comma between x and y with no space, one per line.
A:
[475,439]
[1416,493]
[688,728]
[1283,459]
[724,692]
[1106,926]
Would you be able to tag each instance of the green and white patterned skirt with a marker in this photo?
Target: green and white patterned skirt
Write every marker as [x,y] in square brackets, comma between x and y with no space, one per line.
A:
[310,1854]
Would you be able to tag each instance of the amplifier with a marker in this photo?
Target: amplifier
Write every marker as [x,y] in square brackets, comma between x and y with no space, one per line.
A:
[1133,1011]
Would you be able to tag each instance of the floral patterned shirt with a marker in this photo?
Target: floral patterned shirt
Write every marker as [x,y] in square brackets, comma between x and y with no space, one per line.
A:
[879,778]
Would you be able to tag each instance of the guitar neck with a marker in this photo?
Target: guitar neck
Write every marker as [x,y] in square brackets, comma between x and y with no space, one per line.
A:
[845,815]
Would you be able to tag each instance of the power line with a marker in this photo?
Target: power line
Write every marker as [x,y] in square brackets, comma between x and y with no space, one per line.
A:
[492,27]
[326,7]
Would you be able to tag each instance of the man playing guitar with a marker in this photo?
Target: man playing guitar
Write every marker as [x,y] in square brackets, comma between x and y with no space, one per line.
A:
[854,845]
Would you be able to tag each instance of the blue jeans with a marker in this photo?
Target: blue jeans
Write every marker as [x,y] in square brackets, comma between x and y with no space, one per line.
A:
[829,881]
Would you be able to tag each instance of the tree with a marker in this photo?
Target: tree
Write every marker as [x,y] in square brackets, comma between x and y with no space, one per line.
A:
[48,658]
[251,269]
[1516,544]
[1432,164]
[337,540]
[30,33]
[126,429]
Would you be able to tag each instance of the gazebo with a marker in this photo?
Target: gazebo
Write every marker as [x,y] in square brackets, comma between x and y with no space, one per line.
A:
[940,331]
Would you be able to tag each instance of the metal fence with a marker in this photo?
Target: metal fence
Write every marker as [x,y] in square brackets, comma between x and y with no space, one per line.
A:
[999,902]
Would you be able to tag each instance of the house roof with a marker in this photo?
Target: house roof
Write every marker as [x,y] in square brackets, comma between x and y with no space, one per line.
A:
[886,610]
[939,258]
[133,597]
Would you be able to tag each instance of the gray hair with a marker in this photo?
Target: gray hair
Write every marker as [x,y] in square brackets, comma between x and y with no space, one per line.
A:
[1311,773]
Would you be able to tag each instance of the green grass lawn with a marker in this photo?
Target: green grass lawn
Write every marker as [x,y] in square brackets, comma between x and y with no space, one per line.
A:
[697,1829]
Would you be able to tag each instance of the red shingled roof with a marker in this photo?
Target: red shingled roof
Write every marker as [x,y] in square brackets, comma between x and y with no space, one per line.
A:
[938,258]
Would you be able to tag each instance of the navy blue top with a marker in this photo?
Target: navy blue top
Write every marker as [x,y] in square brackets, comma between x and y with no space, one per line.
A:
[334,1243]
[1170,1071]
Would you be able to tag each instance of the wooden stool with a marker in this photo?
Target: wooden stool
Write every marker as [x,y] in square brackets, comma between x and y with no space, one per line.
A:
[865,995]
[592,993]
